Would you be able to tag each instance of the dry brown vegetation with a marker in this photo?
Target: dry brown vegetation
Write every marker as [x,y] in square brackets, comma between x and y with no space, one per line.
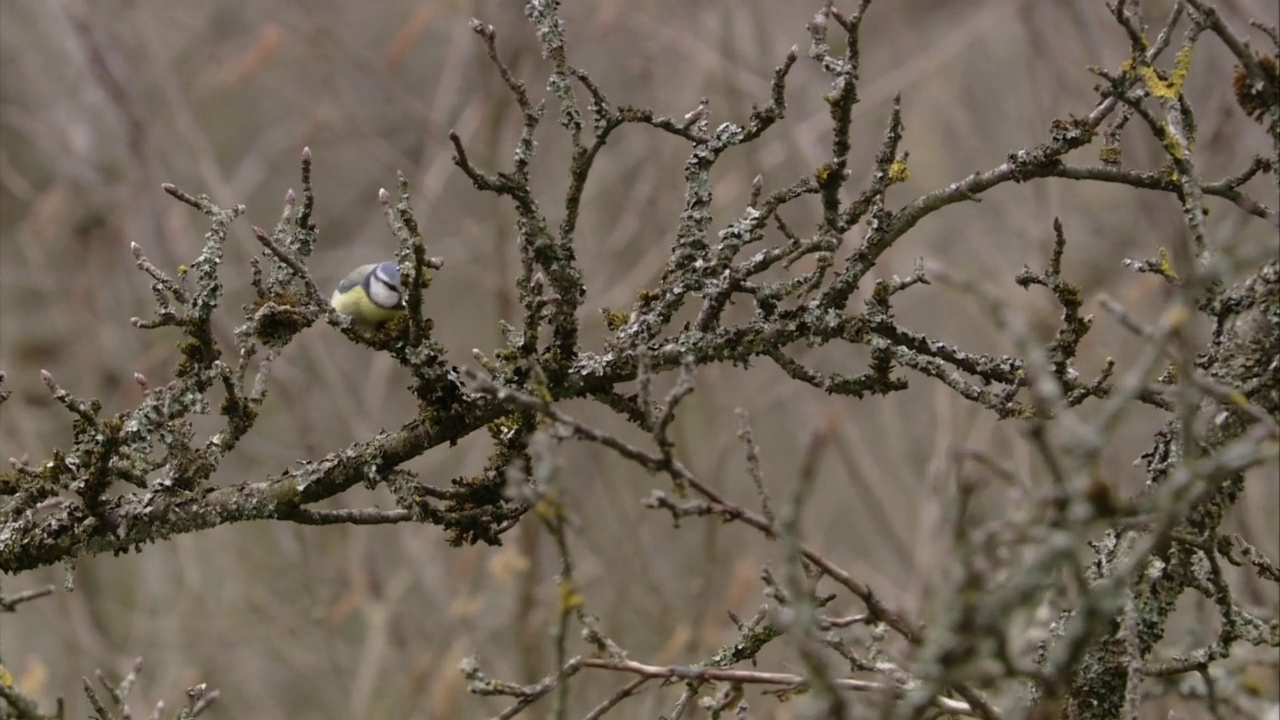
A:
[100,103]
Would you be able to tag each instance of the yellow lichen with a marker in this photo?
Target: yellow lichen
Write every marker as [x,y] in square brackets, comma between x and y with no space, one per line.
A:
[1166,265]
[282,493]
[1252,686]
[1181,68]
[1168,89]
[548,507]
[505,425]
[1172,144]
[614,319]
[898,172]
[570,598]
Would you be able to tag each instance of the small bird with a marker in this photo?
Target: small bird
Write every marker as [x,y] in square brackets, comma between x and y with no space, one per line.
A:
[370,295]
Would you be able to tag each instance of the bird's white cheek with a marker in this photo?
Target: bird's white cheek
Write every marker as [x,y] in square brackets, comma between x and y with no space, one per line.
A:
[382,295]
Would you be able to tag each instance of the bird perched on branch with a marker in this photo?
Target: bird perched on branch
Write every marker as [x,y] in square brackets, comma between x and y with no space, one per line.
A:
[370,295]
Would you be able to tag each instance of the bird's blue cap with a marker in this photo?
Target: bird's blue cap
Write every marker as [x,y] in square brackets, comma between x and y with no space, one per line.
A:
[389,273]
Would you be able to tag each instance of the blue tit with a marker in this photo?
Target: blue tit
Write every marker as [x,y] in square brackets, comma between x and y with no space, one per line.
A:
[370,295]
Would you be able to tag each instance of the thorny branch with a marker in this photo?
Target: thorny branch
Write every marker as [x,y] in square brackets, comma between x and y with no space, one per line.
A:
[1100,572]
[199,699]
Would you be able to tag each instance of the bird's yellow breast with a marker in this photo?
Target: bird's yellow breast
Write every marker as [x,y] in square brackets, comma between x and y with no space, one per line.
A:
[356,304]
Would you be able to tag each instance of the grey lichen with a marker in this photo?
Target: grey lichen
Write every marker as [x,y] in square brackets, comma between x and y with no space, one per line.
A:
[142,475]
